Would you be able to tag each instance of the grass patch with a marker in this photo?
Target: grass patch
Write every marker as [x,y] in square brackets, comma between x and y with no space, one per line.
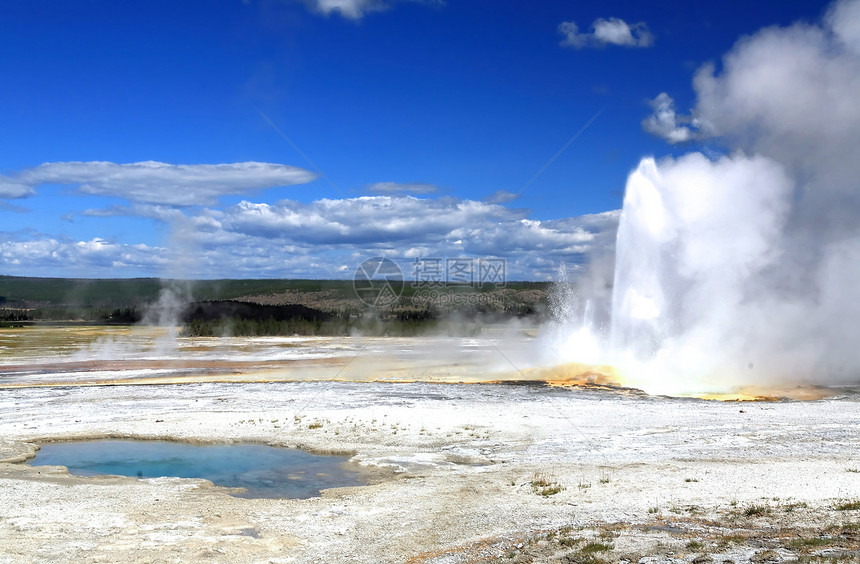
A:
[569,542]
[315,425]
[789,508]
[813,542]
[595,547]
[756,510]
[695,545]
[847,505]
[546,485]
[726,540]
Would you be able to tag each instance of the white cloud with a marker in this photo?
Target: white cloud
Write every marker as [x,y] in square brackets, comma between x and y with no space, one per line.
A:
[356,9]
[665,123]
[618,32]
[164,214]
[369,219]
[350,9]
[612,31]
[160,183]
[292,239]
[471,227]
[48,256]
[11,188]
[500,197]
[402,188]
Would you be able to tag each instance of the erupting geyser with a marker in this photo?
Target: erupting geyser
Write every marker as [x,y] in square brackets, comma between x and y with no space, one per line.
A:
[695,243]
[745,269]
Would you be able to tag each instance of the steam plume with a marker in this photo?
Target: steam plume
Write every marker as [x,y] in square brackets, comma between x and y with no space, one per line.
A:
[745,269]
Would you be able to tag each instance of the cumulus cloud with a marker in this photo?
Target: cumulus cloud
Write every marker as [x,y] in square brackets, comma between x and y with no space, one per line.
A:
[355,9]
[48,255]
[158,183]
[666,123]
[315,239]
[367,219]
[350,9]
[402,188]
[11,188]
[443,227]
[612,31]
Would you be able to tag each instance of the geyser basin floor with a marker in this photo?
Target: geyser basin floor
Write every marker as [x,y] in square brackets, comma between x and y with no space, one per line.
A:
[63,356]
[264,472]
[651,474]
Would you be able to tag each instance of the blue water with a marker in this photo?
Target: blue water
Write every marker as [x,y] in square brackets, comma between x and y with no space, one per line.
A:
[266,472]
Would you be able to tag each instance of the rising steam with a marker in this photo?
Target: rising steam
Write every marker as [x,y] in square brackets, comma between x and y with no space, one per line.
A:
[745,269]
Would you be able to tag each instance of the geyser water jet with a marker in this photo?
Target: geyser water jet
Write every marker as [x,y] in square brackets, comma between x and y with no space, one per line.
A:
[694,241]
[745,269]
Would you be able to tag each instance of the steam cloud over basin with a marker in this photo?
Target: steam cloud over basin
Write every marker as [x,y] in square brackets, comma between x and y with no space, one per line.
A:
[44,356]
[745,269]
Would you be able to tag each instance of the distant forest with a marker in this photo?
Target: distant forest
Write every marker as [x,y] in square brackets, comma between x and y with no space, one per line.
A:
[264,307]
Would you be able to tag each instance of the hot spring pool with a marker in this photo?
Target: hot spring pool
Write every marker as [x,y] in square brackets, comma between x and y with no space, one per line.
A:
[266,472]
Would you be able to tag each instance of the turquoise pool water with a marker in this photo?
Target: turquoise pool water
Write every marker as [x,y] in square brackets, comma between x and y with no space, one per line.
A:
[266,472]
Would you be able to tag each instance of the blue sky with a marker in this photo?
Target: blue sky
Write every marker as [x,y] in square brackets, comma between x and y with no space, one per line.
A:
[394,128]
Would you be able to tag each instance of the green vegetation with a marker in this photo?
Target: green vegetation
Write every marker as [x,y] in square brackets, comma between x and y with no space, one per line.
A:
[813,542]
[14,317]
[848,505]
[594,547]
[123,292]
[254,328]
[120,292]
[341,324]
[754,510]
[546,485]
[77,293]
[337,310]
[730,539]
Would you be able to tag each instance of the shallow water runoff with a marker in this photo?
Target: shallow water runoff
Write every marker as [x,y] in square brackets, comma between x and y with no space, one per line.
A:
[264,471]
